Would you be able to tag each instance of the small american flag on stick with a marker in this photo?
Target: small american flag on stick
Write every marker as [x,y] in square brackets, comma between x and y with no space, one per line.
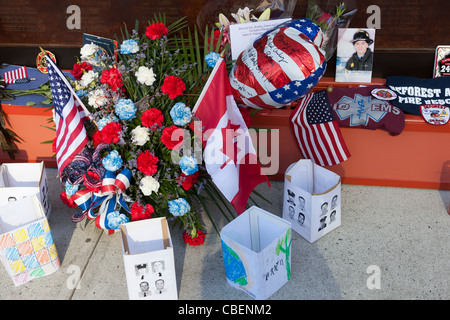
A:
[317,131]
[16,76]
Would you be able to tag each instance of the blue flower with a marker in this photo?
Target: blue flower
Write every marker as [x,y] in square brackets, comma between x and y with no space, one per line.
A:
[81,93]
[181,114]
[129,46]
[115,219]
[113,161]
[70,189]
[211,59]
[179,207]
[125,109]
[188,165]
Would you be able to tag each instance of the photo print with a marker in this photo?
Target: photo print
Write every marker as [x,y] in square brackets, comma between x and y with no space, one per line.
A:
[355,50]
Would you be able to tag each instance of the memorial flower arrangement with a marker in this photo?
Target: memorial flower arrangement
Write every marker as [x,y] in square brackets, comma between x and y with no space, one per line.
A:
[141,131]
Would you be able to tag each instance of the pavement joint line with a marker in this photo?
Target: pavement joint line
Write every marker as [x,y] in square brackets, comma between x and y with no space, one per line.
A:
[86,265]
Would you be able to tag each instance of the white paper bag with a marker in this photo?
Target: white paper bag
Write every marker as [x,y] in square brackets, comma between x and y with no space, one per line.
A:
[312,199]
[256,249]
[19,180]
[149,260]
[27,249]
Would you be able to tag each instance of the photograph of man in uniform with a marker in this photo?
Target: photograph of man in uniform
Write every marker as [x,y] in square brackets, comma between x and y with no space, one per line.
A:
[362,59]
[354,58]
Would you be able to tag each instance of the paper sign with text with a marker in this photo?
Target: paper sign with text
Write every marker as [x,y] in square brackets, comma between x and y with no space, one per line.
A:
[242,35]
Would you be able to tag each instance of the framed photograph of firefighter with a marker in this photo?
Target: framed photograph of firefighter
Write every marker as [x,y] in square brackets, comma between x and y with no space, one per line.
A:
[354,56]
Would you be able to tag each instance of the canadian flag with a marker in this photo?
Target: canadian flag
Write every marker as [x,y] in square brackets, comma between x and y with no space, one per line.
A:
[229,155]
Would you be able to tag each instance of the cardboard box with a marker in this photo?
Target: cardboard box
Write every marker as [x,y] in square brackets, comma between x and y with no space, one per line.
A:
[256,249]
[19,180]
[312,199]
[149,260]
[27,249]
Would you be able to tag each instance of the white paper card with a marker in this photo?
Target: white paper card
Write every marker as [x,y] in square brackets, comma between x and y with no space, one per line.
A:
[242,35]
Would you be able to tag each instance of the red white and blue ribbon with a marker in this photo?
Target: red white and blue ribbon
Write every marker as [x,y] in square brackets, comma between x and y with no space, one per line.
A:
[99,205]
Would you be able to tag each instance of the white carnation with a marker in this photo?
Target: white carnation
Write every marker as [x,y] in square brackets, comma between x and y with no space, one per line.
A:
[145,76]
[140,135]
[148,185]
[97,98]
[88,50]
[88,77]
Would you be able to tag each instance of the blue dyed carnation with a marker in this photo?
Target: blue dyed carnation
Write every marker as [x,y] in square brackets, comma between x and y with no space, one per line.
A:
[125,109]
[115,219]
[211,59]
[71,189]
[188,165]
[81,93]
[113,161]
[181,114]
[129,46]
[179,207]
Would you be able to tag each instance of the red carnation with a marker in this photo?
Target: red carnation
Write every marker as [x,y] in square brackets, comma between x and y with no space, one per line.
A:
[156,30]
[97,138]
[194,241]
[172,137]
[112,77]
[152,118]
[146,163]
[187,181]
[173,86]
[138,212]
[68,201]
[109,134]
[78,69]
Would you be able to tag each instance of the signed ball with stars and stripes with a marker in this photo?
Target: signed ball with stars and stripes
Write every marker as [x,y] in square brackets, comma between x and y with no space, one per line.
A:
[280,67]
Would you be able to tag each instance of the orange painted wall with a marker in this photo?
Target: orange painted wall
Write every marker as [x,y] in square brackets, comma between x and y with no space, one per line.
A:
[27,123]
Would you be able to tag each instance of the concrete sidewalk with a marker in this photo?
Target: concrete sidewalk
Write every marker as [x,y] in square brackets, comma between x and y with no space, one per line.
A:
[403,232]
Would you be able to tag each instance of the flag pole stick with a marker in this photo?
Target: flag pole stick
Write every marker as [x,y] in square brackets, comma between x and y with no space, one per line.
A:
[76,96]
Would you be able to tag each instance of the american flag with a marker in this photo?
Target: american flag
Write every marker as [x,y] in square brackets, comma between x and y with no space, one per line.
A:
[11,76]
[317,131]
[70,114]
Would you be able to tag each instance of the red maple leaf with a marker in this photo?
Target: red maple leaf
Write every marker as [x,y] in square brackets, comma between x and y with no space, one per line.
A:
[230,148]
